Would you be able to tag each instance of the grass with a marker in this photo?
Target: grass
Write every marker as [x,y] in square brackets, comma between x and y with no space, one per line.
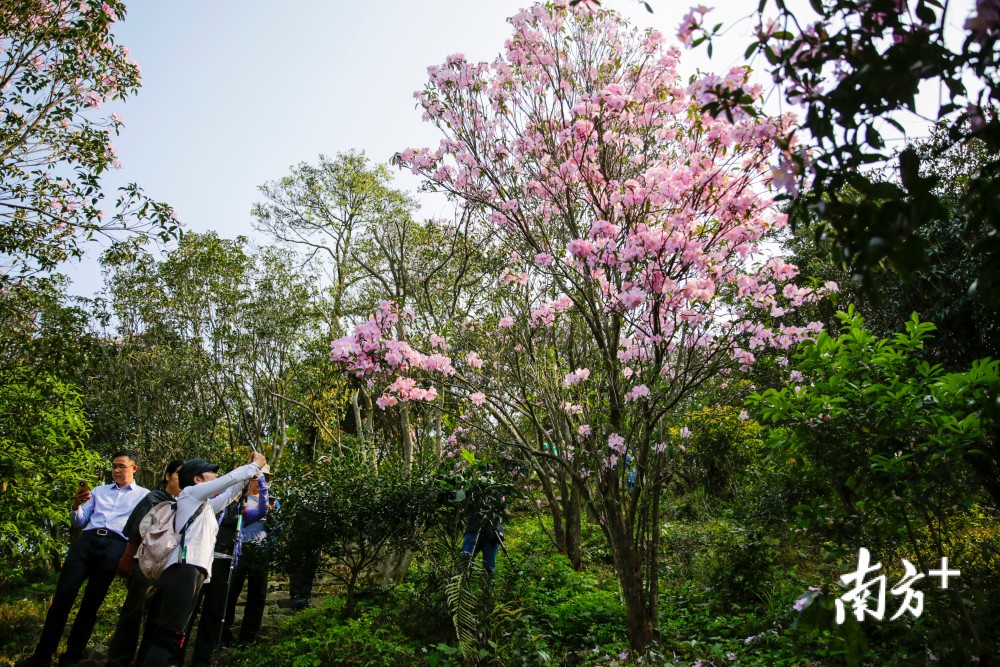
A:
[24,602]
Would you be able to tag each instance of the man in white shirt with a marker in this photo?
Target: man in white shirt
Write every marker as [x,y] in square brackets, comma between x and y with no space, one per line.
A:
[102,514]
[179,585]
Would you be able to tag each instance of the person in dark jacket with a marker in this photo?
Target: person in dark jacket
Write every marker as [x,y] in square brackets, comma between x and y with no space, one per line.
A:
[251,565]
[484,528]
[121,649]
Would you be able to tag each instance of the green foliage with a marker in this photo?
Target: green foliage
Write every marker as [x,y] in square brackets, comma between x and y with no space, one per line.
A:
[322,636]
[889,428]
[968,325]
[909,453]
[472,487]
[352,513]
[43,328]
[42,431]
[594,617]
[720,450]
[572,608]
[721,556]
[208,344]
[24,601]
[884,57]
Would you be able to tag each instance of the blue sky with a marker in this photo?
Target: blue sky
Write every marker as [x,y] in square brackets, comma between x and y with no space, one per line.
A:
[234,93]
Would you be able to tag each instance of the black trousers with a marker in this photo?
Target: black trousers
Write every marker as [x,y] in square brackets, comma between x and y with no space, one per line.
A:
[121,649]
[92,559]
[213,610]
[174,599]
[300,582]
[251,569]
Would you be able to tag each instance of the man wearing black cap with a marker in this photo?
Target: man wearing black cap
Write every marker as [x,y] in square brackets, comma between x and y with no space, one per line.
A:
[203,495]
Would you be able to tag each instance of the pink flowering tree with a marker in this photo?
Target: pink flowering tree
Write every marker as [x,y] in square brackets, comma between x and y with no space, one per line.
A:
[633,224]
[58,65]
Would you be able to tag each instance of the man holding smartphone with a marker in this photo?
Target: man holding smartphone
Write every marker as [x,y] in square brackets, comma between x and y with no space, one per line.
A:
[102,513]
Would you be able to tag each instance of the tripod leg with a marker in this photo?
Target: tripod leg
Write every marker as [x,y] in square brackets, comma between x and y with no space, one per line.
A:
[503,548]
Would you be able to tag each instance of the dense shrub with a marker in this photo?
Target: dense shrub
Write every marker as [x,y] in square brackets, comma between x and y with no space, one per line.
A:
[42,455]
[354,515]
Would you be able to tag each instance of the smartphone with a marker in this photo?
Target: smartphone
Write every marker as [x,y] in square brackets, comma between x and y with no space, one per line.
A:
[84,484]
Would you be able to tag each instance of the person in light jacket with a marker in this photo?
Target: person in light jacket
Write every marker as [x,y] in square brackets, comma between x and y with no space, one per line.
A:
[179,585]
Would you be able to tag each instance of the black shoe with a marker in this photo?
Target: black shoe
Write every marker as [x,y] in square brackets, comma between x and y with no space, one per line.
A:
[66,661]
[34,661]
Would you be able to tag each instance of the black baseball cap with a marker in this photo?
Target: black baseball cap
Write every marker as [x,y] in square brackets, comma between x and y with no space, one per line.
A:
[192,469]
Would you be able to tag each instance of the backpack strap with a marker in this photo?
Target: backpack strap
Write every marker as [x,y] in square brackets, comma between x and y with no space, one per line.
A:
[187,524]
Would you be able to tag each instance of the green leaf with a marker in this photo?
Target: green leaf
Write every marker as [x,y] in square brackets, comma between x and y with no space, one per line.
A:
[909,168]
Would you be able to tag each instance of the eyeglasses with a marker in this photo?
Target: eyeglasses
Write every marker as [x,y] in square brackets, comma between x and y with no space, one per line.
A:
[119,466]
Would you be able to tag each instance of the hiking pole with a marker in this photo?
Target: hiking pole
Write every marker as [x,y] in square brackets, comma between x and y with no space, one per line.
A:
[232,566]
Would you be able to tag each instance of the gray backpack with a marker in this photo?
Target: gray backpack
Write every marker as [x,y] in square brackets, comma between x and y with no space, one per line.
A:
[159,538]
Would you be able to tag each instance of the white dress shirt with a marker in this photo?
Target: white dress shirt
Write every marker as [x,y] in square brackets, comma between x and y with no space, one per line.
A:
[109,507]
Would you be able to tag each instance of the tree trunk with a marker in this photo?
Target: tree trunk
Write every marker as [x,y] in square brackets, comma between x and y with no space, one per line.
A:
[640,628]
[358,427]
[574,534]
[438,434]
[653,560]
[628,565]
[283,435]
[369,427]
[351,601]
[555,507]
[405,436]
[396,565]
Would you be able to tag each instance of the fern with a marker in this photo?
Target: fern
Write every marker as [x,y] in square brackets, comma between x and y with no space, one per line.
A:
[460,592]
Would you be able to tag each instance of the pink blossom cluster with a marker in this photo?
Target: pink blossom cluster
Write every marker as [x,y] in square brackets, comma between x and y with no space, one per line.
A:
[370,353]
[406,389]
[692,21]
[576,377]
[637,392]
[616,443]
[547,312]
